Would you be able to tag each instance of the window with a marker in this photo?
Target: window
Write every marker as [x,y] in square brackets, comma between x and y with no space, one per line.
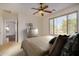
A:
[66,24]
[72,23]
[60,25]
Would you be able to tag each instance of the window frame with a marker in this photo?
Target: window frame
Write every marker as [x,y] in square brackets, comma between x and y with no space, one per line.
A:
[67,21]
[53,26]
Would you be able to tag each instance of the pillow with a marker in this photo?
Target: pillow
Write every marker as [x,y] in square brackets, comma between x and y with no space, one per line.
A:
[71,48]
[75,46]
[52,40]
[52,47]
[60,41]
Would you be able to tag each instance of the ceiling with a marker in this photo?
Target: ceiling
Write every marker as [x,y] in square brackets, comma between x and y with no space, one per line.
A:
[26,7]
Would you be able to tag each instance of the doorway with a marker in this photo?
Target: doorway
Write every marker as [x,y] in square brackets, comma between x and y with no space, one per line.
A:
[10,28]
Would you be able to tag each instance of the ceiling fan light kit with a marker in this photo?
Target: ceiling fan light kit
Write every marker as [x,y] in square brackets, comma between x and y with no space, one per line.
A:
[42,13]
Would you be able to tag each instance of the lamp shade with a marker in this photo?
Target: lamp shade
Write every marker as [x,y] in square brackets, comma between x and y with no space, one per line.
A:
[34,32]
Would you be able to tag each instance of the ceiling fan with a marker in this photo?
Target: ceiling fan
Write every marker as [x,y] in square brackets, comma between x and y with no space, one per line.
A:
[42,8]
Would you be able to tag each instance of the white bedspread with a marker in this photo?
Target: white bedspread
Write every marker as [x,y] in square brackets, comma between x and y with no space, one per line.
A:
[37,45]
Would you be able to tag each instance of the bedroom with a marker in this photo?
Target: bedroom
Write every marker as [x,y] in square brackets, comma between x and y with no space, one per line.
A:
[15,17]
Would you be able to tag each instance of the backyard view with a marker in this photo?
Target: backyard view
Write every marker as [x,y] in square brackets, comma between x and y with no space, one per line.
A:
[72,23]
[64,25]
[60,25]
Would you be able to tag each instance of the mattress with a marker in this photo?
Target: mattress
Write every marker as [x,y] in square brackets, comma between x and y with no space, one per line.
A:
[37,45]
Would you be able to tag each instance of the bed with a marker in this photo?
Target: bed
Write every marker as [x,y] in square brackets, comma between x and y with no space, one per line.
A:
[36,46]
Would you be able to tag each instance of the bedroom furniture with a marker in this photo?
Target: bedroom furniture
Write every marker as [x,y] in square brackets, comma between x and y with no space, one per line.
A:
[37,45]
[63,45]
[66,45]
[71,48]
[11,38]
[57,46]
[31,31]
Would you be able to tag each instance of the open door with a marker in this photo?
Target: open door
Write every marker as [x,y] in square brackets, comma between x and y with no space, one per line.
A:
[10,27]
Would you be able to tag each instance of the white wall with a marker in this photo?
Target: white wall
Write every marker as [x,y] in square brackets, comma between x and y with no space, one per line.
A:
[59,13]
[1,29]
[23,19]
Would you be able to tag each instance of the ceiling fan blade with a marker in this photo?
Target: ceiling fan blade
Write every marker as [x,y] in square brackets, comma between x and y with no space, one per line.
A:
[35,12]
[45,7]
[36,8]
[47,11]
